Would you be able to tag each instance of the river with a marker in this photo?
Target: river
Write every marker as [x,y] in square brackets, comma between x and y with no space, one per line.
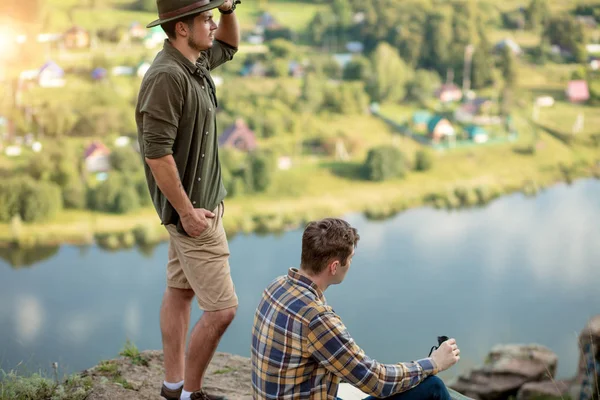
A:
[520,270]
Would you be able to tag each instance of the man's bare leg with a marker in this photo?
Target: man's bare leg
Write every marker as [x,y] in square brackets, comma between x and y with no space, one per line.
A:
[203,342]
[174,325]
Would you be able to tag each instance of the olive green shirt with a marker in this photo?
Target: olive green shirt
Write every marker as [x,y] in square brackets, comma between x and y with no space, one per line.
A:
[176,114]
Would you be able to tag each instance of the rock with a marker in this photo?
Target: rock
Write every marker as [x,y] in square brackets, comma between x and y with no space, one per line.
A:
[533,390]
[507,369]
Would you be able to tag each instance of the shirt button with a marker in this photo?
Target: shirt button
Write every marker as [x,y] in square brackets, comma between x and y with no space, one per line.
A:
[194,202]
[202,87]
[202,155]
[206,133]
[210,109]
[199,179]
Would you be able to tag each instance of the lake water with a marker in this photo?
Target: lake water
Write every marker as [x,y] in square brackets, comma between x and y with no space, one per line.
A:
[521,270]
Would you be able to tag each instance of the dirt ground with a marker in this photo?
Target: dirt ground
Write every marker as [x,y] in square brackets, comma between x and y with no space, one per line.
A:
[141,378]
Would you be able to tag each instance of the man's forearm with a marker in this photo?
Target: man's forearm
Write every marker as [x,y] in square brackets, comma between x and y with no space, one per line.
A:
[167,178]
[229,30]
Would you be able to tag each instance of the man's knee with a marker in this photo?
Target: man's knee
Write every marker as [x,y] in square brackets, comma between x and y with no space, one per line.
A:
[436,388]
[222,318]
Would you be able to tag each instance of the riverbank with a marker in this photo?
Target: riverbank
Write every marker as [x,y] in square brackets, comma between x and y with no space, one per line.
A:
[458,179]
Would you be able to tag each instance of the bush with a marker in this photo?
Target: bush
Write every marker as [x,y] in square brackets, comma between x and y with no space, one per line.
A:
[36,386]
[74,196]
[423,160]
[115,195]
[384,162]
[32,201]
[40,201]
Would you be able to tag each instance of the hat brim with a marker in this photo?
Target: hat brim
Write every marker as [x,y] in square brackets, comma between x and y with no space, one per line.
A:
[210,6]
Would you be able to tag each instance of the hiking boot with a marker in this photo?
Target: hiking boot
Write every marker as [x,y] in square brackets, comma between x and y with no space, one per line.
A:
[170,394]
[202,395]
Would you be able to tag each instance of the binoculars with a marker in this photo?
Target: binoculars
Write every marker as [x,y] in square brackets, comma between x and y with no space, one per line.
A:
[441,339]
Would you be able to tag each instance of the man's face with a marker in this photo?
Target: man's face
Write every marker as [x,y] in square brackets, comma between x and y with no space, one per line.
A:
[342,270]
[202,33]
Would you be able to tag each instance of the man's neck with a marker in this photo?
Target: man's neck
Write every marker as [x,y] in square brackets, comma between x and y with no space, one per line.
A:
[320,281]
[186,50]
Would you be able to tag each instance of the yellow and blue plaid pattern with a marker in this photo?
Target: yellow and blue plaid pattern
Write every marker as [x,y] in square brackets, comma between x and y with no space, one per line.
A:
[302,350]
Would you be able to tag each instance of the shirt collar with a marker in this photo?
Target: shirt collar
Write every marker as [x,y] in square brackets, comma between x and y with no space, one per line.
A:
[299,279]
[180,58]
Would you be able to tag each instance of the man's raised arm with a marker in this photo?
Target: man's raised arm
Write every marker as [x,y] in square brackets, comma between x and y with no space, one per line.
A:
[331,344]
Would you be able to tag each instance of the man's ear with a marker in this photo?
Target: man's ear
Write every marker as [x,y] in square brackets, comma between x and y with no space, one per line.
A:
[333,267]
[181,28]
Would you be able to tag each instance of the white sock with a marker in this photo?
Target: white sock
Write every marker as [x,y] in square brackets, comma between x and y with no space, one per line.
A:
[173,386]
[185,395]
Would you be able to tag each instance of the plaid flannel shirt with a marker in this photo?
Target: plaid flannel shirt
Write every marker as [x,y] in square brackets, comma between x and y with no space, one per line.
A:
[302,350]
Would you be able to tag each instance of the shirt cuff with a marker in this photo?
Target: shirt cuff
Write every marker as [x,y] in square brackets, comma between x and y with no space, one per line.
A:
[429,366]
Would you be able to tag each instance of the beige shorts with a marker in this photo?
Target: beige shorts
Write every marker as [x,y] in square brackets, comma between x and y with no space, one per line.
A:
[202,264]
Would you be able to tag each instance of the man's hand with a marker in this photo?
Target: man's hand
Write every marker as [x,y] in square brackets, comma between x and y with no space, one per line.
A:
[446,355]
[194,223]
[226,6]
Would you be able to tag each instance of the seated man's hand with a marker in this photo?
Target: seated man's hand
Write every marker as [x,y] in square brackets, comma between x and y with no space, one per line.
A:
[446,355]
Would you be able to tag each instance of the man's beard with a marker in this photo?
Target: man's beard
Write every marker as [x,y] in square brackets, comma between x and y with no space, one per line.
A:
[194,45]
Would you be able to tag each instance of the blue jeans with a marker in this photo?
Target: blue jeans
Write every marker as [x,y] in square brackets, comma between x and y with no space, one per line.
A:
[432,388]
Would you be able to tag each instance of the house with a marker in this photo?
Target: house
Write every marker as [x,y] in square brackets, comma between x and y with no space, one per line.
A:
[439,128]
[588,21]
[544,101]
[296,69]
[137,31]
[99,74]
[238,136]
[51,75]
[420,120]
[343,59]
[470,110]
[511,44]
[477,134]
[448,93]
[578,91]
[97,158]
[257,69]
[76,38]
[266,21]
[355,47]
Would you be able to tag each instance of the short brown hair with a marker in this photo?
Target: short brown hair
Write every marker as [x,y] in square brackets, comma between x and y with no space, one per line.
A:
[169,27]
[326,240]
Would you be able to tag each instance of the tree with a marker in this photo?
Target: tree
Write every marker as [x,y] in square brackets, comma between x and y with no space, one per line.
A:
[312,92]
[126,160]
[390,76]
[383,163]
[566,32]
[508,66]
[262,171]
[483,67]
[537,14]
[359,69]
[438,38]
[423,85]
[423,160]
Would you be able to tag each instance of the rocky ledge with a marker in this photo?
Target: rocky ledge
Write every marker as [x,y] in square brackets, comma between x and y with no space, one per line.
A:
[524,371]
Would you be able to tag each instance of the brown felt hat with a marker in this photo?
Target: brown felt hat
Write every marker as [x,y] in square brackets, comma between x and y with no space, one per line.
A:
[170,10]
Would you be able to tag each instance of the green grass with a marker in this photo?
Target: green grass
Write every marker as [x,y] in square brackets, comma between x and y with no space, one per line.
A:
[131,351]
[225,370]
[37,386]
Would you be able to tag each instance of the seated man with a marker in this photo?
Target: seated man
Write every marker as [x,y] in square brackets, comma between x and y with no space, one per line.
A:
[302,350]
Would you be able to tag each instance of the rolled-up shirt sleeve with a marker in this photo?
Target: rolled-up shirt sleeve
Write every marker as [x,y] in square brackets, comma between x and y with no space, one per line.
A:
[330,343]
[161,108]
[219,54]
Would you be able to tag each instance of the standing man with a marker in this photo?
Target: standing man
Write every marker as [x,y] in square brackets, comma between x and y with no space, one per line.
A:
[301,350]
[177,134]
